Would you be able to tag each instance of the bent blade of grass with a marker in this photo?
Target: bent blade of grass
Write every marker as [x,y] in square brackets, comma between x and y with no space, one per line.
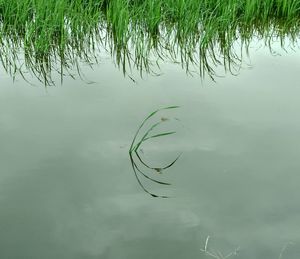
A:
[158,169]
[143,187]
[148,177]
[146,119]
[135,146]
[146,134]
[160,135]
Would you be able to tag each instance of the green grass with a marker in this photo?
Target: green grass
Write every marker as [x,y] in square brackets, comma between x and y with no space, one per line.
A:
[41,36]
[141,168]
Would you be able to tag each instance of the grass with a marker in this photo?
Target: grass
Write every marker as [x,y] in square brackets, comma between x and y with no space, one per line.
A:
[217,254]
[211,253]
[142,135]
[43,36]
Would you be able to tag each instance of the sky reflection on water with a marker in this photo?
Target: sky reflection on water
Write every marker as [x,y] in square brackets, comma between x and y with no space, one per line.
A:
[68,191]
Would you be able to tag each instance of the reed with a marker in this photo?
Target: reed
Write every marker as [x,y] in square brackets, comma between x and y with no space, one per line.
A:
[41,36]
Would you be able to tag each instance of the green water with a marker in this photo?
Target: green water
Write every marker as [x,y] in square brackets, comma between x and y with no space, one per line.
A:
[68,190]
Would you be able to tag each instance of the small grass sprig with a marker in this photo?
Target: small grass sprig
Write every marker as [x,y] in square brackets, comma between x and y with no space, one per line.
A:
[135,156]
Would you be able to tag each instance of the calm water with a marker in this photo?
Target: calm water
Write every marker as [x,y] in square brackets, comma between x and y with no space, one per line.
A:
[68,190]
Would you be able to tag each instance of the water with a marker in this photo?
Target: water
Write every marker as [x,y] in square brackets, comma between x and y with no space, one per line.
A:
[68,190]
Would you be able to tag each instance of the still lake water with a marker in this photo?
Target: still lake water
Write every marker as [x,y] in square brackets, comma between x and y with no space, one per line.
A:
[68,190]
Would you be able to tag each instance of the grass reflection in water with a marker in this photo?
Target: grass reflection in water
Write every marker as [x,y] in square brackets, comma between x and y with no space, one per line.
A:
[42,37]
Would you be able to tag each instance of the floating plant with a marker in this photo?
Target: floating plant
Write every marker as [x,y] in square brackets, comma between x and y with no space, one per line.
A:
[139,166]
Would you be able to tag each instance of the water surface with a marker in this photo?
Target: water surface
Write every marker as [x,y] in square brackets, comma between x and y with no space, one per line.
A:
[68,189]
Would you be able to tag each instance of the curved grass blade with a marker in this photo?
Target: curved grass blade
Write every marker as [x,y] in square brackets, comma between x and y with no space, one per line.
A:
[136,144]
[142,186]
[148,177]
[147,118]
[160,135]
[157,169]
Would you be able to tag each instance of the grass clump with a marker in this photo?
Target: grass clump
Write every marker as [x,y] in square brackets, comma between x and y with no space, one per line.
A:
[46,35]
